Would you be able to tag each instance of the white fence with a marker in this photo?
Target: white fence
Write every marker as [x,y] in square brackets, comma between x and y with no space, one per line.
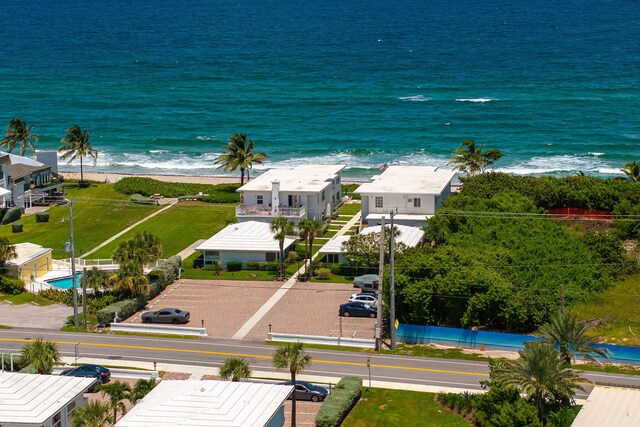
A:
[157,329]
[314,339]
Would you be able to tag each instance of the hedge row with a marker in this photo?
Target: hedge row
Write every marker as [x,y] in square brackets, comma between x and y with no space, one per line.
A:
[222,193]
[42,216]
[164,274]
[339,403]
[125,309]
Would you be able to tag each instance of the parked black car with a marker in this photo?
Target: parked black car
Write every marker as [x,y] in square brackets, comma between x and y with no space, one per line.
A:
[89,371]
[307,391]
[166,315]
[358,309]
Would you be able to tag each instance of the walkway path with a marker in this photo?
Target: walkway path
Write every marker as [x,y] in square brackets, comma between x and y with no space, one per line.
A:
[126,230]
[189,250]
[262,311]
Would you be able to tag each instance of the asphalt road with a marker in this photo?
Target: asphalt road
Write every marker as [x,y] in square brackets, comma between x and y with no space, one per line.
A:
[212,352]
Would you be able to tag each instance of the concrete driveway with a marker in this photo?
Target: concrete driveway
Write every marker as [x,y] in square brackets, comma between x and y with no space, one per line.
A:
[35,316]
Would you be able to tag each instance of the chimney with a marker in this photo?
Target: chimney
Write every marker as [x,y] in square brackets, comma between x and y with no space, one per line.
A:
[275,194]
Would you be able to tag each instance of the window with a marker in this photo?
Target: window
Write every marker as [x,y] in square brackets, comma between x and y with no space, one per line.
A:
[333,258]
[379,202]
[70,408]
[416,202]
[270,256]
[56,420]
[259,199]
[322,194]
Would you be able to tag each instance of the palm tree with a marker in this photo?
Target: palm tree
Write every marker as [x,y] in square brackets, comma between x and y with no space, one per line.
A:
[7,251]
[632,171]
[130,279]
[235,368]
[94,279]
[539,373]
[470,159]
[239,155]
[19,133]
[78,146]
[140,390]
[292,357]
[309,229]
[281,228]
[93,414]
[565,332]
[143,248]
[41,354]
[117,392]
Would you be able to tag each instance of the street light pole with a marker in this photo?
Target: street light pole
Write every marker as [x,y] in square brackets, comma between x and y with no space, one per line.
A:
[73,267]
[392,286]
[378,333]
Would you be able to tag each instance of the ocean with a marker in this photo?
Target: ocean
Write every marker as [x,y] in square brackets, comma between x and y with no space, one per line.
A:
[162,84]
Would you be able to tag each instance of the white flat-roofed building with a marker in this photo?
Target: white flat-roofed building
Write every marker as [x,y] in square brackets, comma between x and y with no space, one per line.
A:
[305,191]
[210,403]
[414,193]
[410,236]
[250,241]
[31,400]
[609,406]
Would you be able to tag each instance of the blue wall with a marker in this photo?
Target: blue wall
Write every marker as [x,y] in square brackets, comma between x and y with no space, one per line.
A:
[418,334]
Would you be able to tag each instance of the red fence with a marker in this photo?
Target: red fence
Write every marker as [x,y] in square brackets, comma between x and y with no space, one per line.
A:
[581,213]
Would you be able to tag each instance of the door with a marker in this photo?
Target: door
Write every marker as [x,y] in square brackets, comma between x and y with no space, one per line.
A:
[164,317]
[290,204]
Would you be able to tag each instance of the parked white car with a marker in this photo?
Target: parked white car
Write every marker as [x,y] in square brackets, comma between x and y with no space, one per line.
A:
[364,297]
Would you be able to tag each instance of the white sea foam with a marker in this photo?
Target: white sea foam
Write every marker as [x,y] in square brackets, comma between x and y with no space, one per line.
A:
[596,154]
[158,151]
[206,138]
[561,164]
[414,98]
[475,99]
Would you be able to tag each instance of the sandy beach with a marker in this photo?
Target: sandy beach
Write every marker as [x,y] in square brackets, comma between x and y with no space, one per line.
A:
[109,177]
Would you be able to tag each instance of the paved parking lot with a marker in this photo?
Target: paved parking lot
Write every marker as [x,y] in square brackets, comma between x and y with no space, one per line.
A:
[223,305]
[307,308]
[33,316]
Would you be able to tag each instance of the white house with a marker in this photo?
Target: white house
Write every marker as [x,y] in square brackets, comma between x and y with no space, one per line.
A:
[414,193]
[250,241]
[31,400]
[410,236]
[31,261]
[305,191]
[27,179]
[210,403]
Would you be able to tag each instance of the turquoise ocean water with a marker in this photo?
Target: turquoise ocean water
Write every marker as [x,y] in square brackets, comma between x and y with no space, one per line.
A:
[162,84]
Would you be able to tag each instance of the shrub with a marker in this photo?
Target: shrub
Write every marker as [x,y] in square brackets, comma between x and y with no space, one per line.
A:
[137,198]
[234,265]
[42,216]
[198,262]
[339,403]
[125,309]
[3,211]
[216,267]
[164,274]
[253,265]
[12,215]
[293,257]
[222,193]
[17,227]
[322,273]
[11,285]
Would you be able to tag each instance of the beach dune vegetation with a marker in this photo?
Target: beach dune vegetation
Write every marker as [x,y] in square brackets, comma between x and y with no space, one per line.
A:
[239,155]
[221,193]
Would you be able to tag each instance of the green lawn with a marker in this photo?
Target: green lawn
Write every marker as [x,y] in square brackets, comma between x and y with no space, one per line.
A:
[618,307]
[387,408]
[25,298]
[180,226]
[194,273]
[98,213]
[349,209]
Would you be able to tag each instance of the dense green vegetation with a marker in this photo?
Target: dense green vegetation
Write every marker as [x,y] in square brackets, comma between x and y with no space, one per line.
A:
[98,213]
[221,193]
[339,403]
[496,260]
[399,408]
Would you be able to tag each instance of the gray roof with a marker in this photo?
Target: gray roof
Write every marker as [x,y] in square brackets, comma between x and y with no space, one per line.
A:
[301,179]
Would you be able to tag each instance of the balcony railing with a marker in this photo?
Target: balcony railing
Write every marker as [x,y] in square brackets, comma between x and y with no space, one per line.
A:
[260,210]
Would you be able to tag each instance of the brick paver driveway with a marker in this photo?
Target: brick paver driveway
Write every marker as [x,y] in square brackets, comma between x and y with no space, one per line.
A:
[312,309]
[223,305]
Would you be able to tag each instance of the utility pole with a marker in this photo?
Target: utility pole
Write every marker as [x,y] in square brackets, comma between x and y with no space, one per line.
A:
[73,266]
[378,334]
[84,298]
[392,285]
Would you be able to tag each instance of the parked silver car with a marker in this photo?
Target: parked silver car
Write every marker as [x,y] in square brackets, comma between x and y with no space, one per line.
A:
[166,315]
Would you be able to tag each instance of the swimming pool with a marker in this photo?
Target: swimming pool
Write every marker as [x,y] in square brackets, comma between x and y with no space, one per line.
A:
[65,282]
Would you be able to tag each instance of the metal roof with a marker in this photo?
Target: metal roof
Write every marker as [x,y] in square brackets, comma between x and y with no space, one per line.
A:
[249,236]
[207,403]
[410,236]
[607,406]
[27,252]
[300,179]
[33,399]
[409,180]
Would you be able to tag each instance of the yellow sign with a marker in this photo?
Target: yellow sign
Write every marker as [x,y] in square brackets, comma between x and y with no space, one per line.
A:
[397,324]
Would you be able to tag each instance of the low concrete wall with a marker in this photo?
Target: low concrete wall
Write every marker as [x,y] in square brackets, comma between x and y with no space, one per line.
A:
[314,339]
[156,329]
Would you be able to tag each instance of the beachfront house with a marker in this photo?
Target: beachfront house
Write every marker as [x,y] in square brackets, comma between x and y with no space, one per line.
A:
[409,236]
[30,400]
[26,181]
[210,403]
[31,262]
[305,191]
[413,193]
[250,241]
